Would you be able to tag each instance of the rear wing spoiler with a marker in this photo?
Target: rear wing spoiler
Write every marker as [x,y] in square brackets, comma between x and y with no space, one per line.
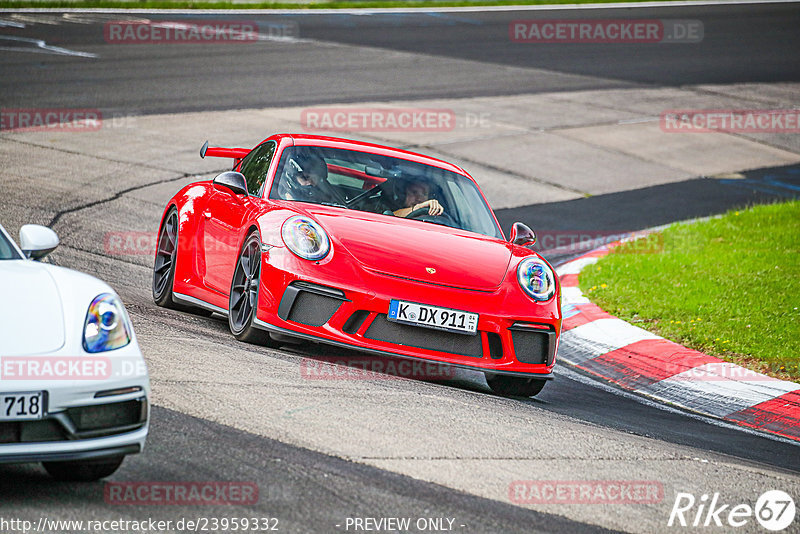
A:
[218,152]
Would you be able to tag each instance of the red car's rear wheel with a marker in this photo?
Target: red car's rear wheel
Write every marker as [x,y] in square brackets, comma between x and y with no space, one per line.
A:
[164,267]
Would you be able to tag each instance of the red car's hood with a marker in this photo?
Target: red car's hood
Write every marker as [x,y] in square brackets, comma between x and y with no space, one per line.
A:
[410,249]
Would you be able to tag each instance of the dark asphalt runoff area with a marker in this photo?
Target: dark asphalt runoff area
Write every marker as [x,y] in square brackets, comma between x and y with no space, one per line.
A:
[648,207]
[312,492]
[741,43]
[304,490]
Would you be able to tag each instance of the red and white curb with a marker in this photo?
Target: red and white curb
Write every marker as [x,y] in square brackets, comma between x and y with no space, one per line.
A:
[636,360]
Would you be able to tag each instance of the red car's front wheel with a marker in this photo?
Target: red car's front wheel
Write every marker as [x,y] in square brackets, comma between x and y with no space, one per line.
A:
[243,300]
[514,386]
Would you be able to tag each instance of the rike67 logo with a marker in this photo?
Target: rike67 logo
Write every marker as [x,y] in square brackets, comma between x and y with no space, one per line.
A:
[774,510]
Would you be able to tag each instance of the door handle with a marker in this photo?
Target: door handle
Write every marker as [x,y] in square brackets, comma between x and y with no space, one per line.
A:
[207,214]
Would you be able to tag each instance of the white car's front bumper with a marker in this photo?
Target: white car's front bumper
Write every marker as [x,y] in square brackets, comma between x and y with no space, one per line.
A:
[100,413]
[84,449]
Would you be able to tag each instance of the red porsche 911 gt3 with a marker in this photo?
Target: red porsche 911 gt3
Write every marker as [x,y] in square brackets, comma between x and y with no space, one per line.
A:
[362,246]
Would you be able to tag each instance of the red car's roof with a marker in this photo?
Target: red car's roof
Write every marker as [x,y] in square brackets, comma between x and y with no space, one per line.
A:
[337,142]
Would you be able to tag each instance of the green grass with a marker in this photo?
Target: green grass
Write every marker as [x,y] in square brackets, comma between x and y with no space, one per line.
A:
[728,286]
[301,4]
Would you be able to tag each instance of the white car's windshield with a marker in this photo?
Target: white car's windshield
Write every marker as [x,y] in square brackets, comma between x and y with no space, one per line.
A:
[7,249]
[381,184]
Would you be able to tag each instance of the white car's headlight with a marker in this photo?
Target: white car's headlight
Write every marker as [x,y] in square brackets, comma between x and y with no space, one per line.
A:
[106,326]
[305,238]
[536,278]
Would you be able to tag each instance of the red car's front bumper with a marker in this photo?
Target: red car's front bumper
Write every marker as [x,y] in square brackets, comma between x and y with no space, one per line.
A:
[516,335]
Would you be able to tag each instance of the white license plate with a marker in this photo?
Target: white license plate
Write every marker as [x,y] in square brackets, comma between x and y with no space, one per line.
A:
[416,314]
[22,406]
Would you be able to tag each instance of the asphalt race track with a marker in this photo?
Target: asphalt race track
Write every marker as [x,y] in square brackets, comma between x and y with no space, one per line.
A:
[321,452]
[746,43]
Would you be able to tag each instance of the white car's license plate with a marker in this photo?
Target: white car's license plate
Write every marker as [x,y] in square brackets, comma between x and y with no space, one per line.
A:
[22,406]
[416,314]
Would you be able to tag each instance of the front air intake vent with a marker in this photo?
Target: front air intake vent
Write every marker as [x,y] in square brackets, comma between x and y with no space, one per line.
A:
[495,346]
[309,304]
[533,344]
[355,321]
[382,329]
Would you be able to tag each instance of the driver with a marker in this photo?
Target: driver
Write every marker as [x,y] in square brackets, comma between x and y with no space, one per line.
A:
[418,197]
[305,179]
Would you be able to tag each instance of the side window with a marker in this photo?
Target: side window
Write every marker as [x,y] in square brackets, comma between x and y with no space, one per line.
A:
[256,165]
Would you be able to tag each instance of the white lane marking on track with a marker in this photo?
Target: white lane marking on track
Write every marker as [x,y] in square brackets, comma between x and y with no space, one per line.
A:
[95,18]
[11,24]
[605,335]
[574,267]
[639,120]
[369,11]
[37,18]
[41,47]
[570,374]
[719,388]
[573,295]
[23,19]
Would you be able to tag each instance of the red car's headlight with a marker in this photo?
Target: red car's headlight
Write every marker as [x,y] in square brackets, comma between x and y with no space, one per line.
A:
[536,278]
[305,238]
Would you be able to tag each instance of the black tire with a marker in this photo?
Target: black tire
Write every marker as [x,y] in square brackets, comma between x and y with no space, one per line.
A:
[243,299]
[83,470]
[164,266]
[514,386]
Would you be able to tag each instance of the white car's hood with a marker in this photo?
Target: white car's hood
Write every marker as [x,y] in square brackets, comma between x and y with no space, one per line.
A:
[31,309]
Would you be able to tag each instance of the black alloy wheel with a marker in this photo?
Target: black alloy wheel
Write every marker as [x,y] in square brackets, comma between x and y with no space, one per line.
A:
[243,301]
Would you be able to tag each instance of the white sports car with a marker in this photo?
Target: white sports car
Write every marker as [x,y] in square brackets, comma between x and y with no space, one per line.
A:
[73,384]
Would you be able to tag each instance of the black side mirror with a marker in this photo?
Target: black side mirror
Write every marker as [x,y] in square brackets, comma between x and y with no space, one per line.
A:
[522,235]
[232,180]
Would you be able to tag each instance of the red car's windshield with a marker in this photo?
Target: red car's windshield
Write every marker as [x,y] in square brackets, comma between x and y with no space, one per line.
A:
[381,184]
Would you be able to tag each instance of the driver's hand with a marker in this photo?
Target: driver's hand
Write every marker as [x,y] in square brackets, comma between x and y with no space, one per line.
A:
[434,208]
